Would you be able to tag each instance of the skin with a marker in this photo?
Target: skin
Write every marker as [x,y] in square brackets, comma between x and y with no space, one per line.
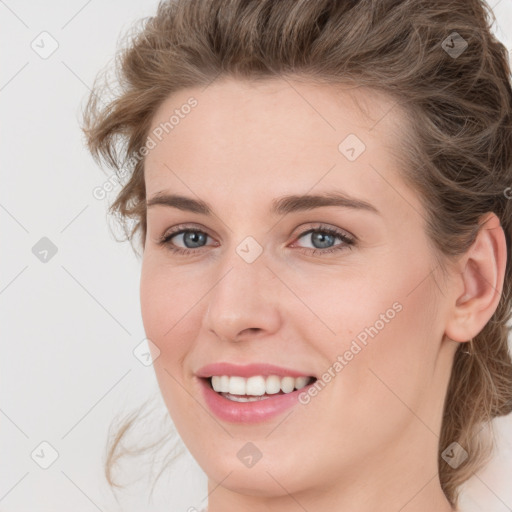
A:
[368,441]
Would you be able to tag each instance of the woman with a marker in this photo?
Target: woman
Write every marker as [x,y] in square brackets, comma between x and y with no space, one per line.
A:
[322,195]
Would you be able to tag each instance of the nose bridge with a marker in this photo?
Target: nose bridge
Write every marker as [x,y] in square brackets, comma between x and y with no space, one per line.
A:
[241,298]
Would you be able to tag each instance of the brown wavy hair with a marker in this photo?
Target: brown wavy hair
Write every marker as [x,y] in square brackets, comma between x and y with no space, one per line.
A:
[456,150]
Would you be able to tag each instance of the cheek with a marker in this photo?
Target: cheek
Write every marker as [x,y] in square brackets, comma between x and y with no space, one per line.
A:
[406,358]
[155,298]
[391,375]
[167,294]
[383,323]
[168,303]
[169,309]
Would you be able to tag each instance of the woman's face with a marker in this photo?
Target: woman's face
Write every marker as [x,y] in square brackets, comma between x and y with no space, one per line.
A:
[261,283]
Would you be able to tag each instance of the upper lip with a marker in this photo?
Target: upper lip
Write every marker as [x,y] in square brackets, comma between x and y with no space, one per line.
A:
[248,370]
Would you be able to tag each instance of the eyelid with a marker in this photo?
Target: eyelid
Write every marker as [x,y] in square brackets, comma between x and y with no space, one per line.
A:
[179,228]
[320,226]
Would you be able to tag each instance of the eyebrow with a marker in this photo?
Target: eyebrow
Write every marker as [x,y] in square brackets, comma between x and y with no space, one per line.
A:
[280,206]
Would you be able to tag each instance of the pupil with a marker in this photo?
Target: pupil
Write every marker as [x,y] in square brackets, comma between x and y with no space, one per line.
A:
[321,238]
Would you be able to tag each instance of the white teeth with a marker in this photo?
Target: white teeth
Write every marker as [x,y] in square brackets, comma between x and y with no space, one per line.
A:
[287,384]
[224,384]
[237,386]
[257,385]
[301,382]
[273,384]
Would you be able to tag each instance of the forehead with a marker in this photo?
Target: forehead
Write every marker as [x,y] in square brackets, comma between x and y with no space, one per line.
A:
[274,136]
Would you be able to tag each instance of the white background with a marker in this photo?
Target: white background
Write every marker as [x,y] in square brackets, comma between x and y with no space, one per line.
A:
[69,326]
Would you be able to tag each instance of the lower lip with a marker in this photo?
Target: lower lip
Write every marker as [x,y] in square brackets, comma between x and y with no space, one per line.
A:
[249,412]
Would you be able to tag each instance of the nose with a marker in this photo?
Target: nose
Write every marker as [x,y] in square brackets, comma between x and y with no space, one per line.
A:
[243,303]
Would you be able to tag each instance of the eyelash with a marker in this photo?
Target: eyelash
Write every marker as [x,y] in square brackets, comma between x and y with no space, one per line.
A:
[348,242]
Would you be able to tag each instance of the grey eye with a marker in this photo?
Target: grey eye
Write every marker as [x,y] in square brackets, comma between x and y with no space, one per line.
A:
[322,239]
[193,239]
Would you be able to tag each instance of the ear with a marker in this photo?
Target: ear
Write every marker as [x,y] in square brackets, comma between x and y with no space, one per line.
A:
[482,273]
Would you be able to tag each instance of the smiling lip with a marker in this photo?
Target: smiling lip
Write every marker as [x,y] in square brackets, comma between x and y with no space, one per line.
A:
[248,412]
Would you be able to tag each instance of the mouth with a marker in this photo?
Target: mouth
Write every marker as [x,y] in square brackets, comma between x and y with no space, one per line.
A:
[251,398]
[251,393]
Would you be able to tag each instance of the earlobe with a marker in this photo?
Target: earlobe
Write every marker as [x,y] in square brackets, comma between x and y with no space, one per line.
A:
[482,275]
